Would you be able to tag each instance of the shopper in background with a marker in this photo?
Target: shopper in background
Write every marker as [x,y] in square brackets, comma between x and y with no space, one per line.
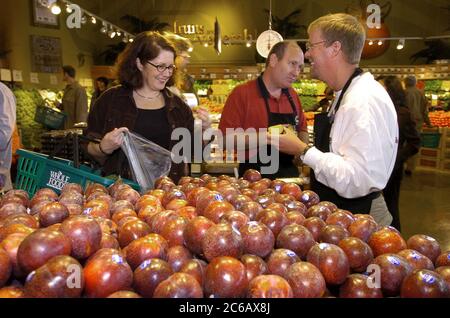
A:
[142,104]
[418,106]
[324,104]
[184,83]
[269,101]
[7,125]
[409,144]
[356,142]
[74,101]
[101,85]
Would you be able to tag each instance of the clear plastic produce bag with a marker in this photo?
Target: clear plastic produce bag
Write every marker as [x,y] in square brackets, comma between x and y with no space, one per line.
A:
[148,161]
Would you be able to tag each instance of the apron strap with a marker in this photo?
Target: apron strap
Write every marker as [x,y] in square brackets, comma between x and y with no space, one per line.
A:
[265,95]
[358,71]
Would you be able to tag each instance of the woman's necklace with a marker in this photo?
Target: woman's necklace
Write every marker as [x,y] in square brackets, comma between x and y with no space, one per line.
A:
[145,97]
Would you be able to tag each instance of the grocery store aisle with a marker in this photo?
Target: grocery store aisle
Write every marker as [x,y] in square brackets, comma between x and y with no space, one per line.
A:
[425,205]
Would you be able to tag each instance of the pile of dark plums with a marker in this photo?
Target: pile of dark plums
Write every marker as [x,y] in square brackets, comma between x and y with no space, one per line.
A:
[207,237]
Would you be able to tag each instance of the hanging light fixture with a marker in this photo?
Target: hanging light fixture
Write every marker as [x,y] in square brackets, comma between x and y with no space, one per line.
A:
[104,29]
[55,8]
[401,44]
[248,44]
[111,33]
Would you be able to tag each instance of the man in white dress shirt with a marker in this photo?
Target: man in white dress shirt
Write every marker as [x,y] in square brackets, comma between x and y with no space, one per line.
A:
[356,142]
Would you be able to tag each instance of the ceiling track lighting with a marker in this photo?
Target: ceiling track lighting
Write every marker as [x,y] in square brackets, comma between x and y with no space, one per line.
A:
[112,33]
[55,9]
[104,28]
[401,44]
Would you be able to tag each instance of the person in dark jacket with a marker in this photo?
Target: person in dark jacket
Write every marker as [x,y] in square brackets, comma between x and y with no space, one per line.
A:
[142,104]
[101,84]
[409,144]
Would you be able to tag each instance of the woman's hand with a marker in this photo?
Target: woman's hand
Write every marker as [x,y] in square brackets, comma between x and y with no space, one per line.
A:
[203,114]
[112,140]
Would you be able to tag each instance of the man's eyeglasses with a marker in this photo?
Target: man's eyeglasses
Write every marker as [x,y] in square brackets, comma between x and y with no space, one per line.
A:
[161,68]
[309,45]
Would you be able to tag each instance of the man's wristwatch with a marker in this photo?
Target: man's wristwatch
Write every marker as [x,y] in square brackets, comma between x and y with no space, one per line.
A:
[303,153]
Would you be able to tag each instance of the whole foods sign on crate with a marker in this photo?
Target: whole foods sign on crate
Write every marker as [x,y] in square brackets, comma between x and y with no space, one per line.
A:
[57,180]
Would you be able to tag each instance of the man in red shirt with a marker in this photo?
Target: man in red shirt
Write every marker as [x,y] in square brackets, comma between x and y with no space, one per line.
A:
[265,102]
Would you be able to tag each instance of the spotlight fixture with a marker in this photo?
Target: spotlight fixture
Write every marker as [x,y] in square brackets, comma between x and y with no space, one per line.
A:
[83,19]
[125,39]
[104,29]
[68,9]
[112,33]
[248,44]
[55,9]
[401,44]
[190,49]
[205,44]
[380,43]
[118,33]
[370,42]
[93,20]
[131,40]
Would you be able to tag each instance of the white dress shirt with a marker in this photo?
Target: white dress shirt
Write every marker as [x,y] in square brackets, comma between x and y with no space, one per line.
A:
[363,144]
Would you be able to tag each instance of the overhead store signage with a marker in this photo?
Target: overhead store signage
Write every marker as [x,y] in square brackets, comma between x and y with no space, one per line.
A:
[199,33]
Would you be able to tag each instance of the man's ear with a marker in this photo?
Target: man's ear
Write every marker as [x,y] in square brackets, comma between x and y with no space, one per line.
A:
[139,64]
[273,60]
[336,48]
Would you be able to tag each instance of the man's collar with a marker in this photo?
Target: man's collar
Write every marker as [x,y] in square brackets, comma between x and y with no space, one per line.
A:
[263,89]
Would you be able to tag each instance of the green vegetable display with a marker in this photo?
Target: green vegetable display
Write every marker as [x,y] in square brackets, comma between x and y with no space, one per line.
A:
[433,85]
[31,131]
[308,102]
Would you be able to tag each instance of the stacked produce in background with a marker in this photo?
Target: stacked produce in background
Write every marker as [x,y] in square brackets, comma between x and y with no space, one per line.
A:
[206,237]
[439,118]
[30,131]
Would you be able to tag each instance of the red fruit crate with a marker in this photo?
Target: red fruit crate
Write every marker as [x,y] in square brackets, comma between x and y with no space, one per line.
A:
[429,163]
[430,152]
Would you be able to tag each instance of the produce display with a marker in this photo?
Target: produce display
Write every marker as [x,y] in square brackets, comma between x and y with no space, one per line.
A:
[30,131]
[212,106]
[206,237]
[439,118]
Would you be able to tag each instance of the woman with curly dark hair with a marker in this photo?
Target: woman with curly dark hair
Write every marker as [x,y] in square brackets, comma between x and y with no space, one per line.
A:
[142,104]
[409,143]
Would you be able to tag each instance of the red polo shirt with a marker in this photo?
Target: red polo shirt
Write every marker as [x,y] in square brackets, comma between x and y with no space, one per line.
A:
[245,108]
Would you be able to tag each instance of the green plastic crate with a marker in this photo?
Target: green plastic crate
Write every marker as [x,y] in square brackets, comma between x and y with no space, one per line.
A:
[36,171]
[49,117]
[430,139]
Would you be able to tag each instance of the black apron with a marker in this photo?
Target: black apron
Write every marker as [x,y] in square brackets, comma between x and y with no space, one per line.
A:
[322,130]
[286,169]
